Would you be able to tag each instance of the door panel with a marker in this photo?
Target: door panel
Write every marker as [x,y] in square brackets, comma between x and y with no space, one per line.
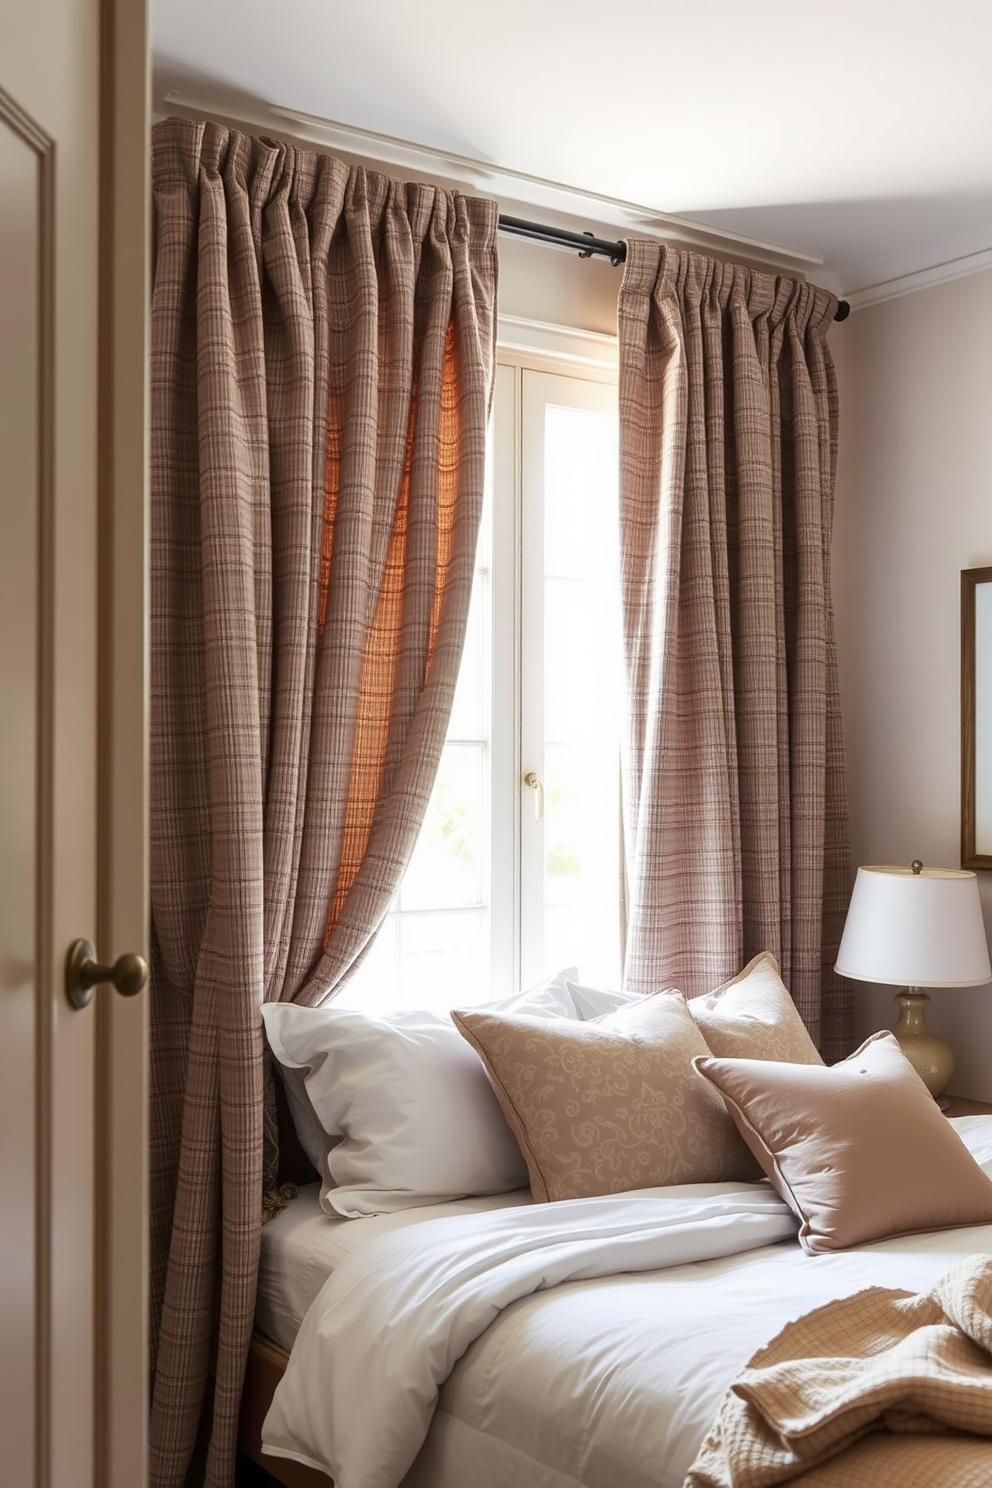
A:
[122,1023]
[23,152]
[71,488]
[49,492]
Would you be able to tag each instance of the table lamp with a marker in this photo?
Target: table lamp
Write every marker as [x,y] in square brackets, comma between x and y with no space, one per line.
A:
[916,927]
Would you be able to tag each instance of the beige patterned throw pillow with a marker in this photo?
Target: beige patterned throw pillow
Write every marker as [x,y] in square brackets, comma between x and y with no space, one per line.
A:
[753,1017]
[610,1105]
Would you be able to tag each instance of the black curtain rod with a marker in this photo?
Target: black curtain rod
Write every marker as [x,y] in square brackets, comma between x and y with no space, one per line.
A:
[587,245]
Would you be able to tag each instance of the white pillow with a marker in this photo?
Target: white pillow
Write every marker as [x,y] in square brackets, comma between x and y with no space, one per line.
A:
[596,1002]
[390,1111]
[419,1120]
[312,1136]
[551,998]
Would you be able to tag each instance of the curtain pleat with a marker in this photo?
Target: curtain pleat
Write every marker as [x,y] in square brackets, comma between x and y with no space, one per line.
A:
[736,818]
[322,357]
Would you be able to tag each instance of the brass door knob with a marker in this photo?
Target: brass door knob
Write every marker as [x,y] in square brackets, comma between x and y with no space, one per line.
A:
[83,972]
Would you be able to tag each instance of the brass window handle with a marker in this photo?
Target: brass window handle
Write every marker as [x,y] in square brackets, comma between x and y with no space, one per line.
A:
[83,972]
[537,786]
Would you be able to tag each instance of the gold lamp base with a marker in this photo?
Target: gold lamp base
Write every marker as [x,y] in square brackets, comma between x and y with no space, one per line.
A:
[929,1055]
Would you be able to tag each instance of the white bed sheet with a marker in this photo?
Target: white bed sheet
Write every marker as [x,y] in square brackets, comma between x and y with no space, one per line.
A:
[302,1245]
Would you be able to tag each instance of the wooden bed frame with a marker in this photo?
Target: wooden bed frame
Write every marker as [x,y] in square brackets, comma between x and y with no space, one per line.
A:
[264,1370]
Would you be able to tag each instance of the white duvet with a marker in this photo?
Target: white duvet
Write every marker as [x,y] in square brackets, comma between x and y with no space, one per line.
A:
[601,1383]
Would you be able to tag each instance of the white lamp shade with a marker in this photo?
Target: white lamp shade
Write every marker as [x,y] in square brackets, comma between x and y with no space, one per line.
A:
[915,929]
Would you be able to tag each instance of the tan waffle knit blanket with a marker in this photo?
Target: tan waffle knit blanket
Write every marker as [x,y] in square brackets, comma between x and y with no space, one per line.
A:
[867,1392]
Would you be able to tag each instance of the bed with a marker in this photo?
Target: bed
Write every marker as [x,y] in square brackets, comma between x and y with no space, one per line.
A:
[300,1248]
[574,1342]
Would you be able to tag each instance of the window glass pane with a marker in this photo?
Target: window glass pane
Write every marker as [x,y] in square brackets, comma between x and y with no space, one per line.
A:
[446,869]
[468,711]
[375,986]
[582,861]
[580,490]
[445,959]
[582,694]
[423,960]
[578,648]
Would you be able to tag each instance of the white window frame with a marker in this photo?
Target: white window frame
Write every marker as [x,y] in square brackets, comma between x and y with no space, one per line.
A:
[585,356]
[588,357]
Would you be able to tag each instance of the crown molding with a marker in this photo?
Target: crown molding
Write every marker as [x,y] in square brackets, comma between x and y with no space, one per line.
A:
[955,257]
[511,188]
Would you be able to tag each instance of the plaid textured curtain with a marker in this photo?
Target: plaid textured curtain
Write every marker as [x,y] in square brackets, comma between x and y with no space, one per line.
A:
[737,836]
[322,357]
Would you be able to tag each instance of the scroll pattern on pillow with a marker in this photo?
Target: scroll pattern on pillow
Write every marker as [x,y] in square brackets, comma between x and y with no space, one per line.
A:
[752,1016]
[608,1106]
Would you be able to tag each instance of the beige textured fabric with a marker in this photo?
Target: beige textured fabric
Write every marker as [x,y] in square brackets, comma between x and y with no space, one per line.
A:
[322,349]
[609,1105]
[884,1461]
[859,1150]
[911,1365]
[735,800]
[753,1017]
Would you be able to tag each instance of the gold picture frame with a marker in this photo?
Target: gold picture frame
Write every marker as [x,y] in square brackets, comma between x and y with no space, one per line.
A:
[976,718]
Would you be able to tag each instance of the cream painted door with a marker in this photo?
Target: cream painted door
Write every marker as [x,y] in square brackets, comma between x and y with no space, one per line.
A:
[72,815]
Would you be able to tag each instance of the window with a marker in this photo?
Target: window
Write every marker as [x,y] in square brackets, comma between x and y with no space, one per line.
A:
[517,871]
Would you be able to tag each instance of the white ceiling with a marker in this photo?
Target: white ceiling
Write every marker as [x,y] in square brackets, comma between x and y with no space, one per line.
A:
[859,133]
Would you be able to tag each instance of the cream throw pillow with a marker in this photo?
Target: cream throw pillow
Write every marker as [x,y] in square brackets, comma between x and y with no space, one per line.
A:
[753,1017]
[858,1149]
[606,1106]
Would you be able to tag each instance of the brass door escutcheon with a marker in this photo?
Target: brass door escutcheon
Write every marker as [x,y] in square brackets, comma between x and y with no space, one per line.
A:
[83,972]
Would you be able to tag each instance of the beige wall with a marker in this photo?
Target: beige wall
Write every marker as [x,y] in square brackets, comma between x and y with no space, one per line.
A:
[550,284]
[914,507]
